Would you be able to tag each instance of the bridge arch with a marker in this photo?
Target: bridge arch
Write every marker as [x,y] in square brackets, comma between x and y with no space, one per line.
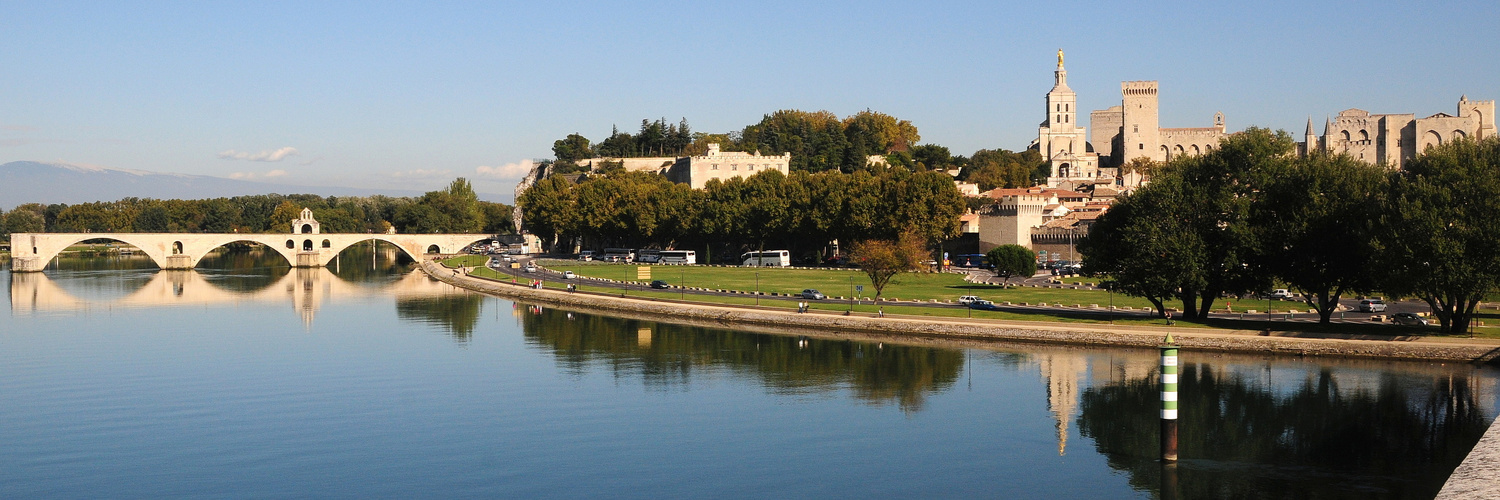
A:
[286,254]
[48,248]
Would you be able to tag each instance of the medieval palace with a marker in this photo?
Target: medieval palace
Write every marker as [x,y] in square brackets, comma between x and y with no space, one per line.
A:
[1130,130]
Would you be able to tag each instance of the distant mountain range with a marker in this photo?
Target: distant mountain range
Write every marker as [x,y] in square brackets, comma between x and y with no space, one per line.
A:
[39,182]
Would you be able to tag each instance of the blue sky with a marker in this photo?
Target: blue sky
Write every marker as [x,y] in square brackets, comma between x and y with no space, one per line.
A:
[410,95]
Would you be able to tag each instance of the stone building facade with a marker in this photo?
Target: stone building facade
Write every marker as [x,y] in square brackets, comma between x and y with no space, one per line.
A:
[1061,140]
[1079,157]
[696,171]
[1394,139]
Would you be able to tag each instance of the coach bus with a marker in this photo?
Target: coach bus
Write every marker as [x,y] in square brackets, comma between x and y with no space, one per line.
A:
[647,256]
[618,255]
[969,260]
[679,257]
[768,258]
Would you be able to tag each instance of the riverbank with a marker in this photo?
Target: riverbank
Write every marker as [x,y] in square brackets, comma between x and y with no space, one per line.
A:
[1240,341]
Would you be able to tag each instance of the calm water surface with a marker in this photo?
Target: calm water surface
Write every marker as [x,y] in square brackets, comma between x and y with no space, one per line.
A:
[247,380]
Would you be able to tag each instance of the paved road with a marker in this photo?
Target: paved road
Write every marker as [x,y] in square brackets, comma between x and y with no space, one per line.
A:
[1351,316]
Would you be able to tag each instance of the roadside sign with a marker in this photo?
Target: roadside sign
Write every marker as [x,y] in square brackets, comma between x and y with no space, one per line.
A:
[859,288]
[515,265]
[643,272]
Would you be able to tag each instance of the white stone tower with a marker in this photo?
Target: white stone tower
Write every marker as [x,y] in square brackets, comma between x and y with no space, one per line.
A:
[1141,132]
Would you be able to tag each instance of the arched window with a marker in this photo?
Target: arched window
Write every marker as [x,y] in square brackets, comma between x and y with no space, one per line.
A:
[307,245]
[177,248]
[1364,136]
[327,244]
[307,229]
[1432,138]
[1459,134]
[291,244]
[1345,134]
[1196,151]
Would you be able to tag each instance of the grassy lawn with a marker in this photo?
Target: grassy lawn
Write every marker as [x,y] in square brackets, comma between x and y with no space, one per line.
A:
[465,261]
[1053,315]
[837,282]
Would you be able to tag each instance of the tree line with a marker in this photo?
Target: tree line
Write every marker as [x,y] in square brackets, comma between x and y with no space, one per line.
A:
[453,210]
[801,212]
[818,141]
[1251,213]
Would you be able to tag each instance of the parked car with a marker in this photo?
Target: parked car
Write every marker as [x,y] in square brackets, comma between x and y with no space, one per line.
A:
[660,284]
[567,275]
[1372,305]
[1408,319]
[813,294]
[982,304]
[1280,294]
[586,255]
[968,299]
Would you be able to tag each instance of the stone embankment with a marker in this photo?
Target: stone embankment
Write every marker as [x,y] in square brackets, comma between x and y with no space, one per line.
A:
[1090,334]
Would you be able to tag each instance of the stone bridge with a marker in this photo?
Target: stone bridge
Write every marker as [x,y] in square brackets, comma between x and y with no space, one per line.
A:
[30,252]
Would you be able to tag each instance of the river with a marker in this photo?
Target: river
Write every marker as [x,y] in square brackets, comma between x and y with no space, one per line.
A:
[246,380]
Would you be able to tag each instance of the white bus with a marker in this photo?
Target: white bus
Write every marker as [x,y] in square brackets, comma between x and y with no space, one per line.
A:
[618,255]
[768,258]
[648,256]
[679,257]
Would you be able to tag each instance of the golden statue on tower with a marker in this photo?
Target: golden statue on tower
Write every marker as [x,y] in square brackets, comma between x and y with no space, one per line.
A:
[1059,58]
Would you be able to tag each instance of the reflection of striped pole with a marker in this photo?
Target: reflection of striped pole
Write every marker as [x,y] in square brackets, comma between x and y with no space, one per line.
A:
[1169,401]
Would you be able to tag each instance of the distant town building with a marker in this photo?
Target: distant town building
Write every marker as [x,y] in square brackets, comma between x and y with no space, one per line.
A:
[696,171]
[1394,139]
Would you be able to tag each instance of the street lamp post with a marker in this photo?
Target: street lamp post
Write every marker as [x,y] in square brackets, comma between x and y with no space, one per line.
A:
[757,288]
[851,294]
[681,284]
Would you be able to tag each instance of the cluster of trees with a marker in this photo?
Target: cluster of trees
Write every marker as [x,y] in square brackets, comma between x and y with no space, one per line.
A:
[800,212]
[1251,213]
[455,209]
[818,141]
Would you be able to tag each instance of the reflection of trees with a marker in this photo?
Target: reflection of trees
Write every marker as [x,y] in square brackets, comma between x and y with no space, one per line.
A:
[458,313]
[665,355]
[354,264]
[243,267]
[1238,439]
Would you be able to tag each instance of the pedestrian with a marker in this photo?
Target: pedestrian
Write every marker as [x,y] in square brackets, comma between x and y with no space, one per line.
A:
[882,311]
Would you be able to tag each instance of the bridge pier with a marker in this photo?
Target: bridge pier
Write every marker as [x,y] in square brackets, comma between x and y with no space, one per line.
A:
[27,264]
[177,262]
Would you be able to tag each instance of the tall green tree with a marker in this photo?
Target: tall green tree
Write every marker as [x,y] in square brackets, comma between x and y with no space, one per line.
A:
[1012,260]
[572,148]
[882,260]
[1319,223]
[1443,238]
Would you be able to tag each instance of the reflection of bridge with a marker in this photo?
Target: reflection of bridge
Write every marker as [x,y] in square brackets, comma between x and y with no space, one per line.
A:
[306,289]
[30,252]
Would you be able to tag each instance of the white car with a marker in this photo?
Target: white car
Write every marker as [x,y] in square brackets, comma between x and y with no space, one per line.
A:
[1281,293]
[567,275]
[968,299]
[530,268]
[1372,305]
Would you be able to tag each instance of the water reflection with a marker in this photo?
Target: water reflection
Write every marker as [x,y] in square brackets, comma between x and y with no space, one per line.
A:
[666,355]
[457,313]
[1360,429]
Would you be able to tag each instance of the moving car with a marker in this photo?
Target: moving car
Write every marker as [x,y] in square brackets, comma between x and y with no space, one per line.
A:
[660,284]
[813,294]
[567,275]
[982,304]
[1281,293]
[530,267]
[1372,305]
[1408,319]
[968,299]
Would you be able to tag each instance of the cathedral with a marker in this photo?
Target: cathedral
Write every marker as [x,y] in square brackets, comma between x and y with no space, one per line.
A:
[1127,131]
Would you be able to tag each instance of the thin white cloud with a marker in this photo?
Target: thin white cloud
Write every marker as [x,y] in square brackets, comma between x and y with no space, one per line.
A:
[422,173]
[515,170]
[246,176]
[267,155]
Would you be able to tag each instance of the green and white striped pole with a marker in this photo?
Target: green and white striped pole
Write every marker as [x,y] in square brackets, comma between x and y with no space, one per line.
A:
[1169,401]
